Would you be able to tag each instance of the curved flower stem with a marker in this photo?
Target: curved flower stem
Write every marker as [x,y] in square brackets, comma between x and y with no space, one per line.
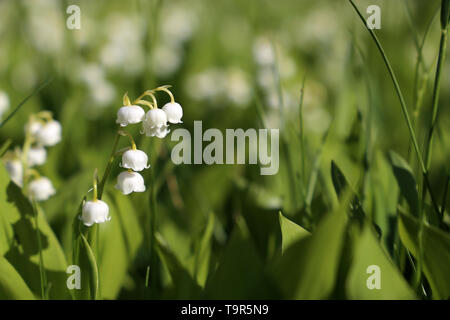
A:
[149,93]
[127,134]
[101,185]
[145,103]
[165,89]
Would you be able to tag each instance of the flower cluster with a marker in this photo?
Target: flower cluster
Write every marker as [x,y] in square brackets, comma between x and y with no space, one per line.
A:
[41,131]
[155,123]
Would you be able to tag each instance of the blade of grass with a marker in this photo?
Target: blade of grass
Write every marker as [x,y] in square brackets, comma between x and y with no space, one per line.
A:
[16,109]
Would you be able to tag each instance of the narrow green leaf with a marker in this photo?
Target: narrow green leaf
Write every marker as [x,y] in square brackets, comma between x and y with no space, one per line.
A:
[406,181]
[436,252]
[12,286]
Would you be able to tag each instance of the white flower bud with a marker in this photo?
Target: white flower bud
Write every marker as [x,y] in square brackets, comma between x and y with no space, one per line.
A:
[174,112]
[130,115]
[128,182]
[155,123]
[96,211]
[49,134]
[135,160]
[36,156]
[15,170]
[41,189]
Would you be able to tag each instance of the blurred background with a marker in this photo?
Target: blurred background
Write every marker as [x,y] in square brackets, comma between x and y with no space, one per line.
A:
[231,64]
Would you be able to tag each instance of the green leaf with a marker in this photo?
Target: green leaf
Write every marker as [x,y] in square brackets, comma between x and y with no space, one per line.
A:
[436,248]
[203,255]
[240,273]
[406,181]
[308,268]
[22,250]
[368,252]
[341,186]
[290,232]
[8,214]
[93,268]
[183,282]
[12,286]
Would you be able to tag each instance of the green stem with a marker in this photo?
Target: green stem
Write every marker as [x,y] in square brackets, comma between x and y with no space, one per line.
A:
[397,89]
[43,276]
[435,103]
[101,185]
[428,151]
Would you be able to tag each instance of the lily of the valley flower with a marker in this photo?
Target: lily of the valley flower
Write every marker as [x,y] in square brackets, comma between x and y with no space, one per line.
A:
[129,181]
[96,211]
[135,160]
[49,134]
[130,115]
[173,111]
[155,123]
[15,170]
[41,189]
[36,156]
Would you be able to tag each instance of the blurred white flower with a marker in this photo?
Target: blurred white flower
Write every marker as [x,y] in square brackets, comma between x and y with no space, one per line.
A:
[207,84]
[135,160]
[178,24]
[49,134]
[130,115]
[96,211]
[173,111]
[4,103]
[124,52]
[129,181]
[46,25]
[36,156]
[15,170]
[41,189]
[166,59]
[102,93]
[238,88]
[155,123]
[263,52]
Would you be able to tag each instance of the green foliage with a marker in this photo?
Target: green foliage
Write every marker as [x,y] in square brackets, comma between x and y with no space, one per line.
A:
[436,259]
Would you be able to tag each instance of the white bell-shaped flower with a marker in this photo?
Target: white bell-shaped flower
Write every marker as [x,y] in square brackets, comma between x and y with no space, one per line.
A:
[155,123]
[96,211]
[49,134]
[33,127]
[129,115]
[15,170]
[41,189]
[174,112]
[129,181]
[36,156]
[135,160]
